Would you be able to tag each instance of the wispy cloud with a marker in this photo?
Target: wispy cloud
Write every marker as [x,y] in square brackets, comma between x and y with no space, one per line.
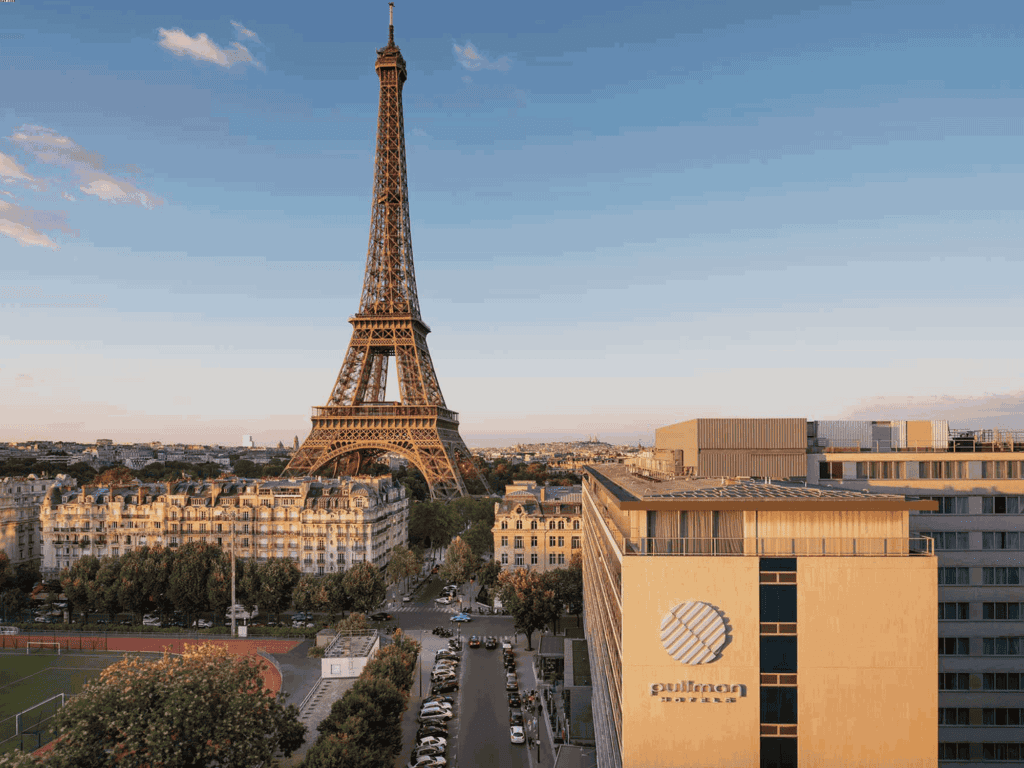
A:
[470,58]
[68,196]
[9,169]
[203,48]
[50,147]
[243,32]
[26,226]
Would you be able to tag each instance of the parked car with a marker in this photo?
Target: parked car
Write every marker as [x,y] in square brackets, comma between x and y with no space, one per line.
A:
[202,623]
[428,761]
[443,600]
[444,686]
[432,741]
[440,731]
[445,699]
[511,683]
[514,701]
[240,612]
[5,630]
[435,719]
[517,735]
[406,599]
[431,750]
[380,616]
[515,717]
[447,714]
[455,644]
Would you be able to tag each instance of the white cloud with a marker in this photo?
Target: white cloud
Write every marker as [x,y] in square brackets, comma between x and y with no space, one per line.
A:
[470,58]
[25,225]
[5,192]
[68,196]
[50,147]
[114,191]
[9,169]
[203,48]
[243,32]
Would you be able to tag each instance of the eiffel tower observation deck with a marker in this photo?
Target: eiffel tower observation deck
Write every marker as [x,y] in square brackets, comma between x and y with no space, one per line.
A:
[359,423]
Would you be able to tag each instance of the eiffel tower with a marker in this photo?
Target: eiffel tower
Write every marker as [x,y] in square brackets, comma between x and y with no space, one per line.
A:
[358,423]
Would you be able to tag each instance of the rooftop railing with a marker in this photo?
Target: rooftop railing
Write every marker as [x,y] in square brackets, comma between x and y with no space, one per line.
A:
[825,546]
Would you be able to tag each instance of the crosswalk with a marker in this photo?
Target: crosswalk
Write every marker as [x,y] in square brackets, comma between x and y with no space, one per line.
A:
[432,606]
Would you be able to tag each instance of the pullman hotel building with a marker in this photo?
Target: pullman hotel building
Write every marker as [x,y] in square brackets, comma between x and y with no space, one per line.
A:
[740,623]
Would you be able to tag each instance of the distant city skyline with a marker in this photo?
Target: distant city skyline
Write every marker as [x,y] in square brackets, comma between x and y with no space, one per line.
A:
[623,216]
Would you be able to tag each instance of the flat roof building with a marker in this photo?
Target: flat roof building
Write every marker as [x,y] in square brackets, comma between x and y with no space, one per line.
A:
[743,624]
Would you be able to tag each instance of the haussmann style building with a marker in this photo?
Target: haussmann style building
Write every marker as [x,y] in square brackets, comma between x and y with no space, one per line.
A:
[324,525]
[538,527]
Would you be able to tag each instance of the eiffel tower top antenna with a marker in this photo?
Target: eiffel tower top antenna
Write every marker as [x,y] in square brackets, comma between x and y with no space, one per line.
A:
[391,23]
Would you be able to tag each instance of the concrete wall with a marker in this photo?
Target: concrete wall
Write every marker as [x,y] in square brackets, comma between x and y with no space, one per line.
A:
[867,663]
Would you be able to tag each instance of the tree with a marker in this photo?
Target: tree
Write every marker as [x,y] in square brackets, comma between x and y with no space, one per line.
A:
[480,539]
[354,622]
[142,580]
[248,587]
[278,577]
[115,476]
[365,587]
[531,602]
[27,575]
[433,523]
[567,584]
[395,662]
[459,562]
[78,583]
[370,712]
[190,574]
[308,595]
[488,573]
[8,577]
[336,598]
[105,597]
[218,582]
[204,707]
[402,564]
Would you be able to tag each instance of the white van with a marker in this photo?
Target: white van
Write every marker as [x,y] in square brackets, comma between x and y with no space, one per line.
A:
[240,612]
[5,630]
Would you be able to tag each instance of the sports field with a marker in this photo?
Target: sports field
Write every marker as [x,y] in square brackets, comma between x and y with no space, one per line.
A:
[28,680]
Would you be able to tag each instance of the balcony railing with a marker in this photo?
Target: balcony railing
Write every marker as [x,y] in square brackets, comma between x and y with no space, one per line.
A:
[825,546]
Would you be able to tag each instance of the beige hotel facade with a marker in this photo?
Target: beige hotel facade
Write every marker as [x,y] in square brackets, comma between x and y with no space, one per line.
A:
[741,623]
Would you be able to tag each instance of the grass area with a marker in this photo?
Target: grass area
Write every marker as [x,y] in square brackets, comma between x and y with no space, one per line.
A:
[29,679]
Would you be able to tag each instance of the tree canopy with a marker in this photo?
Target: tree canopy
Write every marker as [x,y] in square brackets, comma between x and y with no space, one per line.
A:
[365,587]
[203,707]
[459,562]
[530,600]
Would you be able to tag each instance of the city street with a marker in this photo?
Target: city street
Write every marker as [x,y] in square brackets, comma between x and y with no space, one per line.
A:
[479,734]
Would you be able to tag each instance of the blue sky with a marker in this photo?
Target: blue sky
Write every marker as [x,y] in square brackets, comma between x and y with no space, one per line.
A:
[623,216]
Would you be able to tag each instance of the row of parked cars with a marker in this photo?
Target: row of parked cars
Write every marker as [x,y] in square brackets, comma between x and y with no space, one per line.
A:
[515,712]
[437,710]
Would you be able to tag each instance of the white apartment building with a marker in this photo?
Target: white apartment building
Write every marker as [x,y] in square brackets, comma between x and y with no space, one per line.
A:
[21,499]
[324,524]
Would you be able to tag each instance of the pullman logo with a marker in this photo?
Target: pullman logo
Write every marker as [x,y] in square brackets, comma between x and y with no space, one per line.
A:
[694,632]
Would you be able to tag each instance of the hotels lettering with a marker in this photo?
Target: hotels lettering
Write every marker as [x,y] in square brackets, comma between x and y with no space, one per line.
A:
[690,687]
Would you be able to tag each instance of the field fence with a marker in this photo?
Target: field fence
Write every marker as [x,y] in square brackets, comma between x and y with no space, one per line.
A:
[67,642]
[31,728]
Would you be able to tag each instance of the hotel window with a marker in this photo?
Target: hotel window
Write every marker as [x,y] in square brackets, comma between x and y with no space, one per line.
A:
[551,559]
[575,542]
[504,525]
[551,541]
[533,558]
[575,525]
[519,525]
[518,543]
[1000,540]
[778,752]
[1000,505]
[1008,575]
[778,604]
[1002,716]
[561,525]
[1000,646]
[533,541]
[778,654]
[1000,681]
[519,559]
[551,525]
[954,681]
[1002,751]
[954,750]
[561,541]
[504,541]
[954,646]
[504,558]
[884,470]
[949,539]
[561,558]
[1000,611]
[778,705]
[951,577]
[954,611]
[954,716]
[533,525]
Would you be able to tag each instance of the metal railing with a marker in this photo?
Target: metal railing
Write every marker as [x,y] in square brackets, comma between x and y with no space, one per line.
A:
[815,546]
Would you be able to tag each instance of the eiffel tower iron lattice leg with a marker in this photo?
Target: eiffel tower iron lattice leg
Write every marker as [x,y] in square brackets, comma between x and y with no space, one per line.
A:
[358,423]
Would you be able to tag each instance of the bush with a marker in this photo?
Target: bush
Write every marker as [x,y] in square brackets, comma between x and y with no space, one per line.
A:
[316,651]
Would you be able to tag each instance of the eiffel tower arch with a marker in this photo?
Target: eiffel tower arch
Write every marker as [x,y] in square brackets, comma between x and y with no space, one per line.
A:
[359,423]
